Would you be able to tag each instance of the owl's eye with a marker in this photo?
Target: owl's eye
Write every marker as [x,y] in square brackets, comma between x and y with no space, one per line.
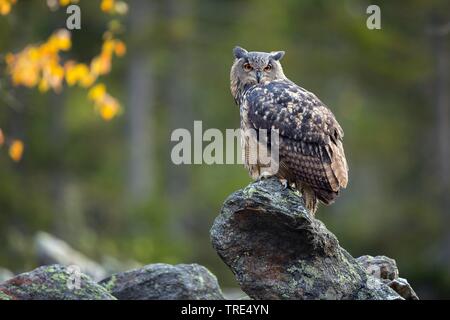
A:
[268,67]
[247,67]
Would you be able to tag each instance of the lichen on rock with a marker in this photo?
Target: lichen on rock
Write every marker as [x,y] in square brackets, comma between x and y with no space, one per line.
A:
[52,283]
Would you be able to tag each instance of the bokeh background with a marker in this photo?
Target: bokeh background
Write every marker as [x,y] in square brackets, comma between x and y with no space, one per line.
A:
[109,189]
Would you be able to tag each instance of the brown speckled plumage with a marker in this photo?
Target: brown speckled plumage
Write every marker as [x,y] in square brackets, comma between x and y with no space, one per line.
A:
[311,153]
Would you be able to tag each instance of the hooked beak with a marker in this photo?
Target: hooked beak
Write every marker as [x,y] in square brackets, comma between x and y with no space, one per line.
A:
[258,76]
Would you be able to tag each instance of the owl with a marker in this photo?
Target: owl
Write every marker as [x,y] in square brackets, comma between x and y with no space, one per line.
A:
[311,156]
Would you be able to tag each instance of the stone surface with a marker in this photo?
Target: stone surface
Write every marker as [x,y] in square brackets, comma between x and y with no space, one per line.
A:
[164,282]
[386,270]
[53,282]
[51,250]
[403,288]
[277,250]
[380,267]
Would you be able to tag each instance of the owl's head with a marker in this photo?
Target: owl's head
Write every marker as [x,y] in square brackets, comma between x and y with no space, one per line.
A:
[255,67]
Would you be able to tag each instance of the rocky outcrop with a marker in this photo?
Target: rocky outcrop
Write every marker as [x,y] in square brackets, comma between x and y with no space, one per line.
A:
[165,282]
[278,250]
[273,245]
[385,269]
[153,282]
[53,282]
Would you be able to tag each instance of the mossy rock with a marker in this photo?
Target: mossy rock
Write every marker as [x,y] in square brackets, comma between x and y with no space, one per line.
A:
[53,282]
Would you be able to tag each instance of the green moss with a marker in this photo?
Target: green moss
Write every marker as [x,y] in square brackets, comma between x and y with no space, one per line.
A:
[52,282]
[4,296]
[109,286]
[249,191]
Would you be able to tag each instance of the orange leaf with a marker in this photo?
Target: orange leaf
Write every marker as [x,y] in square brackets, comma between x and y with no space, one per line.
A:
[107,5]
[120,48]
[16,150]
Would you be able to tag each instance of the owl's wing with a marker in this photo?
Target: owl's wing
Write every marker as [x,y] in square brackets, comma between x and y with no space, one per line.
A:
[310,137]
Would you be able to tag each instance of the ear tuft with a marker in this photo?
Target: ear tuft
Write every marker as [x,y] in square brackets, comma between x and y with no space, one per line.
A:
[239,52]
[277,55]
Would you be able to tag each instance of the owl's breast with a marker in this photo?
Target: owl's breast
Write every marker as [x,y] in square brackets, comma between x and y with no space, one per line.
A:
[244,110]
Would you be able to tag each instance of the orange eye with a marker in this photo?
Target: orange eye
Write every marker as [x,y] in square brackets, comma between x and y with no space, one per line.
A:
[247,67]
[268,67]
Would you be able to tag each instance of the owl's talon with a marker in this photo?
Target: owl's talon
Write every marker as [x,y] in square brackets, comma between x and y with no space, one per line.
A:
[264,176]
[285,184]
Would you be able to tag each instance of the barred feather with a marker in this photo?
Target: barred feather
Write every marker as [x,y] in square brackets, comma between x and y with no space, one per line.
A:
[311,150]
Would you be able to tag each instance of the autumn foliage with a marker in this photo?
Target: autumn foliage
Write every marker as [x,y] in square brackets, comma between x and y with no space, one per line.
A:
[41,66]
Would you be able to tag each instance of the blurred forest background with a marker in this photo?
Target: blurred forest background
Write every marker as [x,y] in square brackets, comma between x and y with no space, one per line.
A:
[110,189]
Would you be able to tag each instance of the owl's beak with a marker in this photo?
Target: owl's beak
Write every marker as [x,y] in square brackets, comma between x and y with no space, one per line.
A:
[258,76]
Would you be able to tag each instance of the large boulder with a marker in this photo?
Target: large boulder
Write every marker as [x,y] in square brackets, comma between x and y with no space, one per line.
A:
[164,282]
[53,282]
[278,250]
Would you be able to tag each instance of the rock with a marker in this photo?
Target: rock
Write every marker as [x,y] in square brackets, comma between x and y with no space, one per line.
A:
[278,250]
[53,282]
[5,274]
[51,250]
[403,288]
[386,270]
[165,282]
[380,267]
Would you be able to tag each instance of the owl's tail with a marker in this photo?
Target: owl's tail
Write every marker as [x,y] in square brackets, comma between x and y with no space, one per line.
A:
[326,196]
[310,198]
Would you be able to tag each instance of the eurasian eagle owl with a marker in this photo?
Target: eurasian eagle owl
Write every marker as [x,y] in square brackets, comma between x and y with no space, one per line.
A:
[311,154]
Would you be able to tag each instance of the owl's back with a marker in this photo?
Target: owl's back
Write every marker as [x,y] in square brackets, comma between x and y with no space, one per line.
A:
[310,146]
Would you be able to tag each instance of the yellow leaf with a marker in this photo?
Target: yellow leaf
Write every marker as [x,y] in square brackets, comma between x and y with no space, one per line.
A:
[109,108]
[70,73]
[5,6]
[2,138]
[76,73]
[107,5]
[56,70]
[97,92]
[53,73]
[101,65]
[108,47]
[43,85]
[63,40]
[16,150]
[87,80]
[34,54]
